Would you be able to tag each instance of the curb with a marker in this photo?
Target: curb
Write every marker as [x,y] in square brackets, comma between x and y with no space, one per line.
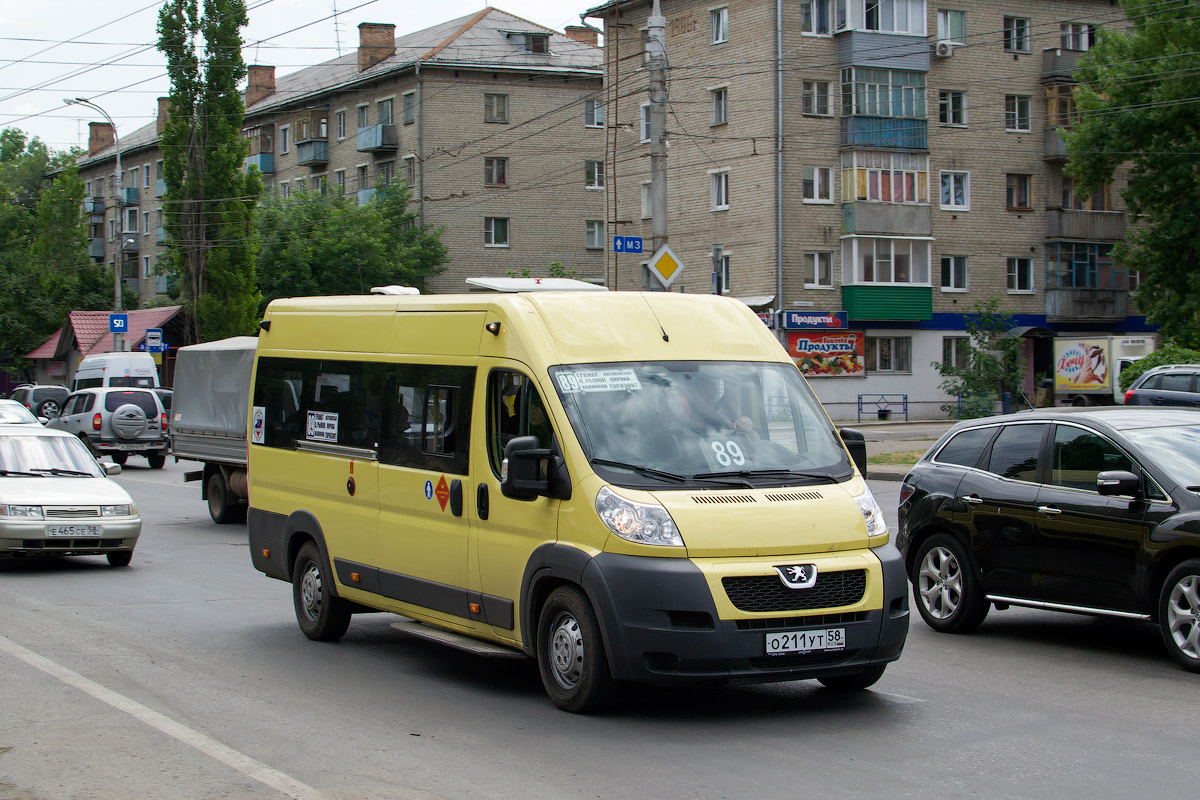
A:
[885,475]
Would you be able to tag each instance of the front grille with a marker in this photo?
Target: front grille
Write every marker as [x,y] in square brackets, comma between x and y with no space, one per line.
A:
[791,623]
[797,660]
[766,593]
[70,512]
[67,543]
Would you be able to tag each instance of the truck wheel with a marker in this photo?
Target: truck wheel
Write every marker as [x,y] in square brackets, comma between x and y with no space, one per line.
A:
[570,653]
[322,615]
[1079,401]
[222,506]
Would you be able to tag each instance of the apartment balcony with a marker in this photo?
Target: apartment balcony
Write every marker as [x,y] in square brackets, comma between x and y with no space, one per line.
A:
[377,139]
[883,302]
[862,48]
[160,235]
[264,161]
[890,132]
[93,205]
[365,196]
[96,247]
[312,152]
[160,188]
[1055,147]
[1101,226]
[1059,64]
[131,195]
[885,219]
[1086,305]
[129,243]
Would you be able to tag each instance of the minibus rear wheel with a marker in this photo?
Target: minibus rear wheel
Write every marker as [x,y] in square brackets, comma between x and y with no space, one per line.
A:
[570,654]
[323,616]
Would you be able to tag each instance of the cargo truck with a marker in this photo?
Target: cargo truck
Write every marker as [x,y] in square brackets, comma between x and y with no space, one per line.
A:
[1086,367]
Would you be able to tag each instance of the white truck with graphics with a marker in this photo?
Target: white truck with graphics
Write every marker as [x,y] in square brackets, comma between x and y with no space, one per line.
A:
[1086,367]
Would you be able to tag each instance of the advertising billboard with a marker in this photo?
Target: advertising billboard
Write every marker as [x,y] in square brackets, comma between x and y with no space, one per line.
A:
[1081,364]
[827,355]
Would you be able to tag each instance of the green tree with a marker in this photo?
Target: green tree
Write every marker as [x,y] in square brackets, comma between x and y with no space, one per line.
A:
[992,364]
[555,270]
[315,245]
[1136,100]
[210,201]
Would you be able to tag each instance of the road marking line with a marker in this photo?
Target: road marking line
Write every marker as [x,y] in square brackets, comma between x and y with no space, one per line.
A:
[205,744]
[903,698]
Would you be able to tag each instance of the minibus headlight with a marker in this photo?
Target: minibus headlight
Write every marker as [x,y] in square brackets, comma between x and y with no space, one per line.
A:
[872,513]
[637,522]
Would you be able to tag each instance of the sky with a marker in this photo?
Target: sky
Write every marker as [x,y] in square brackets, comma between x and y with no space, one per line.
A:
[104,51]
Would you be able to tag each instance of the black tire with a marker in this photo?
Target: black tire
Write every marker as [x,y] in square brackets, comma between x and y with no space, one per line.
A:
[570,654]
[49,408]
[322,615]
[945,588]
[859,680]
[1179,614]
[119,458]
[1080,401]
[119,558]
[222,506]
[156,460]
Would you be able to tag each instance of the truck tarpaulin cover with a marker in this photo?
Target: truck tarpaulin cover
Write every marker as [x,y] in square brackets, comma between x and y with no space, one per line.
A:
[212,386]
[1081,364]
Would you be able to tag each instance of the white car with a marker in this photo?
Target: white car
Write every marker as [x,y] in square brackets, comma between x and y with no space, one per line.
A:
[56,499]
[14,413]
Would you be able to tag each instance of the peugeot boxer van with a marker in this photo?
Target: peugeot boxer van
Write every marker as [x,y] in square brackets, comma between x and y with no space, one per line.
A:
[620,485]
[116,369]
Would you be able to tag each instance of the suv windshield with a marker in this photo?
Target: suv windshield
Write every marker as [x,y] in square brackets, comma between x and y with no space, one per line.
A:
[710,422]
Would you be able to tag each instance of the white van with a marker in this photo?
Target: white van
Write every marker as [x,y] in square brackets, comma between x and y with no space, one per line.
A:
[116,369]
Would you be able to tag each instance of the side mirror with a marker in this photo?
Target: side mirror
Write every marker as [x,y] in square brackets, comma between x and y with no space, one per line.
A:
[1119,482]
[856,443]
[529,472]
[111,469]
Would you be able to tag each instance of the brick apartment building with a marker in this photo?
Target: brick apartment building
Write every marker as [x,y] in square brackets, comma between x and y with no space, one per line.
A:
[895,162]
[495,122]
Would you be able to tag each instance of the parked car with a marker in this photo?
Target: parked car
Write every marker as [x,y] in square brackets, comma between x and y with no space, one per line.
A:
[14,413]
[44,401]
[55,499]
[1168,385]
[1090,511]
[118,422]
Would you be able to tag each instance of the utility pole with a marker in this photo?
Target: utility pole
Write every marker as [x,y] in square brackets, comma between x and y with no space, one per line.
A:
[118,344]
[656,62]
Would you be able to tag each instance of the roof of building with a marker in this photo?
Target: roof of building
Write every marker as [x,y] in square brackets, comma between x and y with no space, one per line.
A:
[145,136]
[87,331]
[485,39]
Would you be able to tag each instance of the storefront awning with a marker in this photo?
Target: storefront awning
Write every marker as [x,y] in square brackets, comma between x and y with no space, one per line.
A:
[1029,331]
[758,300]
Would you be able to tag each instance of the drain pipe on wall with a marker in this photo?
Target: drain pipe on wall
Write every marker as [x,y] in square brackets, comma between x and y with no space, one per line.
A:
[778,155]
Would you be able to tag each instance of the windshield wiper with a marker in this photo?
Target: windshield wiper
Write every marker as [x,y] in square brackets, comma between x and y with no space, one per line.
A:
[58,471]
[649,471]
[768,473]
[5,473]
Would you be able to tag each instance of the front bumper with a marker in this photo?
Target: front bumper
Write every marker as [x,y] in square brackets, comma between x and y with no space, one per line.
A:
[30,537]
[661,625]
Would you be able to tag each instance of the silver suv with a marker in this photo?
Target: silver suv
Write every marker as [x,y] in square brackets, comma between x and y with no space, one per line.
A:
[117,421]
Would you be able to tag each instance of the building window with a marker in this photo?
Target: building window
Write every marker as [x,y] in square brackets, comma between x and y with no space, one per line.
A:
[87,188]
[956,191]
[340,179]
[362,117]
[146,271]
[883,93]
[1077,36]
[385,171]
[495,108]
[158,218]
[885,261]
[722,274]
[720,190]
[645,122]
[885,177]
[131,220]
[952,26]
[285,190]
[145,223]
[1016,112]
[888,354]
[1134,280]
[1017,193]
[537,43]
[410,170]
[408,108]
[720,106]
[719,19]
[952,107]
[383,111]
[146,177]
[817,185]
[816,16]
[495,171]
[1016,35]
[954,273]
[1020,275]
[300,185]
[158,169]
[1098,199]
[364,181]
[495,231]
[593,114]
[956,351]
[593,172]
[647,211]
[283,139]
[815,98]
[594,238]
[1083,265]
[818,270]
[900,16]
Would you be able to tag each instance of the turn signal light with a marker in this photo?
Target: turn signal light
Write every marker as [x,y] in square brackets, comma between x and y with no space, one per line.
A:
[475,608]
[354,577]
[266,553]
[96,422]
[1128,395]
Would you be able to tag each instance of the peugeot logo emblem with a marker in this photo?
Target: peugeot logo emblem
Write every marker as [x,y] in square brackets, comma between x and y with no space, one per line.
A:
[798,576]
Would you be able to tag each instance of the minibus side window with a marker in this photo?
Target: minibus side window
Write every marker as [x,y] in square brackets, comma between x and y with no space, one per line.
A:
[426,417]
[514,408]
[279,388]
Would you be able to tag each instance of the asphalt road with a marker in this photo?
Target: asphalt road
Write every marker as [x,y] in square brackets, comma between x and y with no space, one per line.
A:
[185,676]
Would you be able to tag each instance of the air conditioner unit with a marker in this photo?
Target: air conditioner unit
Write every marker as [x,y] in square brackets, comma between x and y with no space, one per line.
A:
[943,49]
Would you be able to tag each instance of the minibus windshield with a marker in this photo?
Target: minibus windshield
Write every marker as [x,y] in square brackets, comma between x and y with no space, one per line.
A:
[711,423]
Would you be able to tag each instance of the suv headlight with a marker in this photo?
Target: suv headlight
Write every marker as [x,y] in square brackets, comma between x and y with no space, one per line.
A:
[872,513]
[21,512]
[637,522]
[118,511]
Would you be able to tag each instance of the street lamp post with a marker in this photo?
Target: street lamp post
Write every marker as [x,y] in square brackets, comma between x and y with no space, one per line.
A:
[117,343]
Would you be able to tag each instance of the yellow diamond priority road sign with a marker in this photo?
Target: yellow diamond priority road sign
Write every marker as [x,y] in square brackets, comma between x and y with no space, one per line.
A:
[665,266]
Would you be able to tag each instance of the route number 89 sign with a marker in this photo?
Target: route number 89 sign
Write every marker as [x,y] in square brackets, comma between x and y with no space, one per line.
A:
[723,454]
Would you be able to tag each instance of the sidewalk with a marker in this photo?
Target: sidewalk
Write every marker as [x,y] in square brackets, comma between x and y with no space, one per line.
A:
[890,438]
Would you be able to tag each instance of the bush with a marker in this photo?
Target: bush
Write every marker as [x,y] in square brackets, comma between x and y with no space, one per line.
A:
[1168,354]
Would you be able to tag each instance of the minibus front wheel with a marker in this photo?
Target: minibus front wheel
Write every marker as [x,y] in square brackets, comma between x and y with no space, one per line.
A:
[322,615]
[571,655]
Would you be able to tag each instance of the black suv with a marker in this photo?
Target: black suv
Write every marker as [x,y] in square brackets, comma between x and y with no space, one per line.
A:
[1091,511]
[1168,385]
[43,401]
